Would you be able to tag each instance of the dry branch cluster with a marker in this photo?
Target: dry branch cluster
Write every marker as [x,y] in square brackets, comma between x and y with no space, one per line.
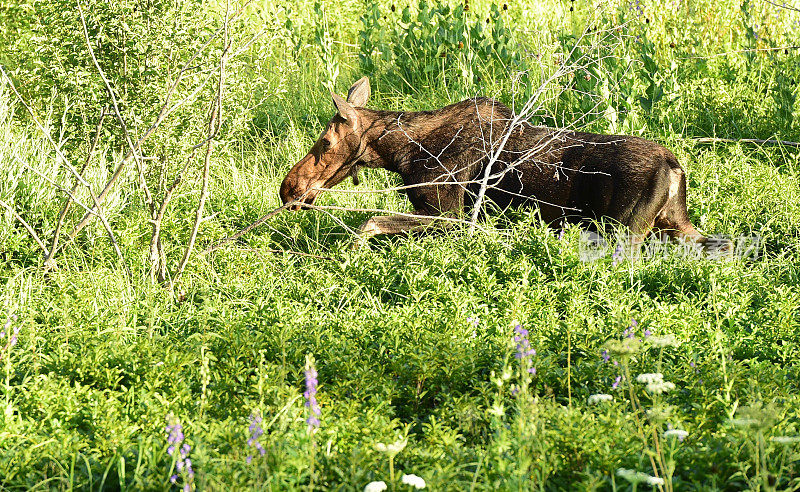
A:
[144,166]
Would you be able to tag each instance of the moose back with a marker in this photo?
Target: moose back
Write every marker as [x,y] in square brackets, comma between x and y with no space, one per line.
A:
[449,157]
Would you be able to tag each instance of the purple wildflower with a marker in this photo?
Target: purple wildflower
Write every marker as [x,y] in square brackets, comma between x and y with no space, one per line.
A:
[183,465]
[616,382]
[524,350]
[647,332]
[616,258]
[174,436]
[561,234]
[311,395]
[255,431]
[473,321]
[12,340]
[605,356]
[630,331]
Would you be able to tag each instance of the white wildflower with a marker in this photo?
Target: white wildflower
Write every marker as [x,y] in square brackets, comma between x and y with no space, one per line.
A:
[679,433]
[397,446]
[507,374]
[393,448]
[632,476]
[498,381]
[414,481]
[599,398]
[664,341]
[658,387]
[497,410]
[375,487]
[785,439]
[636,477]
[650,377]
[743,422]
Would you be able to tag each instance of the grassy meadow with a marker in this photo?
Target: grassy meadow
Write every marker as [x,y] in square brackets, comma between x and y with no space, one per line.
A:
[474,361]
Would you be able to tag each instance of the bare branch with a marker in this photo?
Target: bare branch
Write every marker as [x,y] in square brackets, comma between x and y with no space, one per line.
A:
[25,225]
[286,251]
[134,150]
[748,140]
[783,6]
[249,228]
[74,172]
[214,125]
[50,257]
[165,111]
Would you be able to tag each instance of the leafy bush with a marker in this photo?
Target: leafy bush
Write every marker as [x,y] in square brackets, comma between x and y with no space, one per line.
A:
[435,40]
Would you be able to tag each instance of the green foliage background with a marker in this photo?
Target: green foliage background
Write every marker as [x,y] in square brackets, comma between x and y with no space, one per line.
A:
[103,360]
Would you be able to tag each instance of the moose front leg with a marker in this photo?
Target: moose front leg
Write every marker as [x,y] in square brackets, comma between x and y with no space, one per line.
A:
[390,224]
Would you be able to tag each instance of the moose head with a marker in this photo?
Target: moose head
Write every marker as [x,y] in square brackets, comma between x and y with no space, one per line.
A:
[335,155]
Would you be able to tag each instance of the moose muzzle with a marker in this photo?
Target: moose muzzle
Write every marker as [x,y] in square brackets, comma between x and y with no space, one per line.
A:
[299,183]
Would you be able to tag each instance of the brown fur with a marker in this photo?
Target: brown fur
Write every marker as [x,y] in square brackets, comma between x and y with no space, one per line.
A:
[573,176]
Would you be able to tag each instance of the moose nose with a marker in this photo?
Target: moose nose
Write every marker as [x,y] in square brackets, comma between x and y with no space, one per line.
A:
[288,192]
[285,191]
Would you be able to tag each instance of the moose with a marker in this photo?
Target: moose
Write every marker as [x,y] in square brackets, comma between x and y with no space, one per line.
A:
[475,149]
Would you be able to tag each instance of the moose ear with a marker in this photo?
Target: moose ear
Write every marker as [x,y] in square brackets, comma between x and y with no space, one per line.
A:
[359,93]
[345,110]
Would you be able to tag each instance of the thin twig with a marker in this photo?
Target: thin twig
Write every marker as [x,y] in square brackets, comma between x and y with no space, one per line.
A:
[784,6]
[134,150]
[49,258]
[384,211]
[74,172]
[748,140]
[735,52]
[70,194]
[25,225]
[287,251]
[158,260]
[214,124]
[165,111]
[249,228]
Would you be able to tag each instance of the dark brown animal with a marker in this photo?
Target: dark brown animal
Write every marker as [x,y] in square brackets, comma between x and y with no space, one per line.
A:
[443,157]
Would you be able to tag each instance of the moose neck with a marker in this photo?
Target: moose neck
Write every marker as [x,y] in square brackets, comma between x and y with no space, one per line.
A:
[387,136]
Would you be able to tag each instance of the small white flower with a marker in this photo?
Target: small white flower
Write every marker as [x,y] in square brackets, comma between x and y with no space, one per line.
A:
[785,439]
[658,387]
[497,410]
[599,398]
[397,446]
[375,487]
[632,476]
[635,477]
[393,448]
[414,481]
[498,381]
[507,374]
[664,341]
[679,433]
[650,377]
